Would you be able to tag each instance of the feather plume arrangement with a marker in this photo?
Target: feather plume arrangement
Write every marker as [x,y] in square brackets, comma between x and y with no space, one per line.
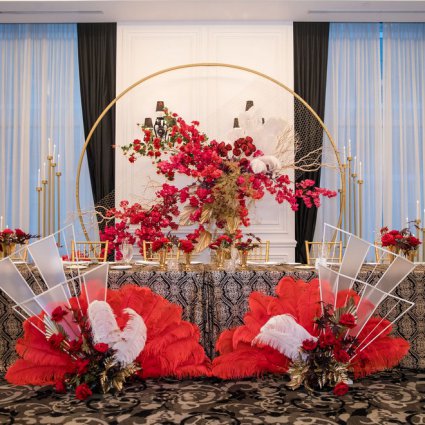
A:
[103,323]
[132,339]
[128,343]
[283,333]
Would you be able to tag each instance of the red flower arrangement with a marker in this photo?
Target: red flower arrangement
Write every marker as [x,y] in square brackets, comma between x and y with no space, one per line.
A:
[248,244]
[226,177]
[400,239]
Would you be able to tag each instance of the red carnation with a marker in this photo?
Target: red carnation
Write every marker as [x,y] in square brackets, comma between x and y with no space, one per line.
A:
[309,344]
[413,241]
[340,389]
[101,347]
[347,320]
[83,391]
[7,231]
[341,356]
[56,340]
[20,234]
[60,387]
[75,344]
[58,314]
[186,246]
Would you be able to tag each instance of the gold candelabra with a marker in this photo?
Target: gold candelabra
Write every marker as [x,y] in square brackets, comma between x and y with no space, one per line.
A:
[48,199]
[360,183]
[350,211]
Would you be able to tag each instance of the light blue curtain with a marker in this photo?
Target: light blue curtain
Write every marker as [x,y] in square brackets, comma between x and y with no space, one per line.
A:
[375,98]
[39,99]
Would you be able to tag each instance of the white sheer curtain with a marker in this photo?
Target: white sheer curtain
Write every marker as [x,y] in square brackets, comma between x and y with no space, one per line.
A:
[403,122]
[39,99]
[353,112]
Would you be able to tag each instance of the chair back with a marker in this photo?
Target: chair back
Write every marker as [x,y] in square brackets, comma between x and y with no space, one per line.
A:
[260,253]
[89,250]
[149,255]
[332,251]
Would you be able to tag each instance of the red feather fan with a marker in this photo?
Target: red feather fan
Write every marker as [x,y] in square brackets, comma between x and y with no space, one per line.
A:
[172,347]
[238,358]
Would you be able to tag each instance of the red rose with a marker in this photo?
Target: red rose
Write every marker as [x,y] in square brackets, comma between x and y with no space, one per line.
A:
[58,314]
[341,356]
[56,340]
[19,233]
[340,389]
[82,392]
[60,387]
[347,320]
[81,366]
[309,344]
[327,339]
[414,241]
[387,240]
[101,347]
[7,231]
[186,246]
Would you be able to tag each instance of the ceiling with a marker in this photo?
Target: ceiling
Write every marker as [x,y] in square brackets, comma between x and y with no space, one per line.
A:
[220,11]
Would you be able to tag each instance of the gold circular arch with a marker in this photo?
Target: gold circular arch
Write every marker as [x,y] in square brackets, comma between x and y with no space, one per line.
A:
[198,65]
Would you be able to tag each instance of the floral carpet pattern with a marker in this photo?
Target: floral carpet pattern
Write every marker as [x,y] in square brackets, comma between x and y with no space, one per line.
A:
[394,397]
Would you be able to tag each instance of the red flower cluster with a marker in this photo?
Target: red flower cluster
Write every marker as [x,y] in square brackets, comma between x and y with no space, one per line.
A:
[225,241]
[401,239]
[221,171]
[186,246]
[333,348]
[17,236]
[58,314]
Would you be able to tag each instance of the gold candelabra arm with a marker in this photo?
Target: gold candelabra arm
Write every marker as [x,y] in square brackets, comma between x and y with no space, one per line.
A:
[354,222]
[350,197]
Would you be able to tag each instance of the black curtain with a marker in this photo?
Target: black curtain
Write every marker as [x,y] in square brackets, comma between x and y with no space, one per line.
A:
[310,68]
[97,48]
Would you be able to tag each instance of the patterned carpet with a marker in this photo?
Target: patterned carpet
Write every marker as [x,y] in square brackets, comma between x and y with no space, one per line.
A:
[396,397]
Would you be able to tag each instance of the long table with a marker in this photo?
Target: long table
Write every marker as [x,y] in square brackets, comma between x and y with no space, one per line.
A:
[218,300]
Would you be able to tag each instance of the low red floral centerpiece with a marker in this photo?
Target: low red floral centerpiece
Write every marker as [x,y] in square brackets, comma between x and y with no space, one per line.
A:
[400,240]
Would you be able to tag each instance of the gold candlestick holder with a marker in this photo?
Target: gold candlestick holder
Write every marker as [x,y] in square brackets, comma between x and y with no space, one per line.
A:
[360,183]
[350,211]
[50,197]
[58,176]
[39,189]
[354,176]
[44,183]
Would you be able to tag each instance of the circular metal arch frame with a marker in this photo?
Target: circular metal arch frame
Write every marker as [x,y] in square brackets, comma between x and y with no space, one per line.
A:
[200,65]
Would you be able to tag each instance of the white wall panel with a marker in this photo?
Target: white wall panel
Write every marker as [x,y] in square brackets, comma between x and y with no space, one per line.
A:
[214,96]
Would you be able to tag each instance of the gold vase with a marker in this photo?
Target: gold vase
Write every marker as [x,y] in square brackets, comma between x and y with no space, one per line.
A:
[162,253]
[244,259]
[394,251]
[410,255]
[7,249]
[187,260]
[220,256]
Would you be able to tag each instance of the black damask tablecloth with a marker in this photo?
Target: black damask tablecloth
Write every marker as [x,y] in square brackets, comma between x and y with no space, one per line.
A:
[218,300]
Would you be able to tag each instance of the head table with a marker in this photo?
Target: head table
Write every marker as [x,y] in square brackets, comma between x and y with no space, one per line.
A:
[216,300]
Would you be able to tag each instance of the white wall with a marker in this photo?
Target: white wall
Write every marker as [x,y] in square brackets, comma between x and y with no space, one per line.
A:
[214,96]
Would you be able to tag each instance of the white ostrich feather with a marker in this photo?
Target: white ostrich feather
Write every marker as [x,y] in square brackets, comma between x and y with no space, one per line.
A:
[132,339]
[128,343]
[103,323]
[265,163]
[258,166]
[284,334]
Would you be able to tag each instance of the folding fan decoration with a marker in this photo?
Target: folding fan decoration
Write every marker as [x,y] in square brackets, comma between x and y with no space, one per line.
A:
[323,332]
[80,335]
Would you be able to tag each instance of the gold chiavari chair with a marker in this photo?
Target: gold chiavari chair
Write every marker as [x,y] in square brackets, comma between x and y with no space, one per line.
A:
[261,253]
[332,251]
[91,250]
[149,255]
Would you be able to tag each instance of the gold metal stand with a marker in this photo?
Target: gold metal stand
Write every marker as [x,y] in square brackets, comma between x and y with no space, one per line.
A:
[360,183]
[52,195]
[49,182]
